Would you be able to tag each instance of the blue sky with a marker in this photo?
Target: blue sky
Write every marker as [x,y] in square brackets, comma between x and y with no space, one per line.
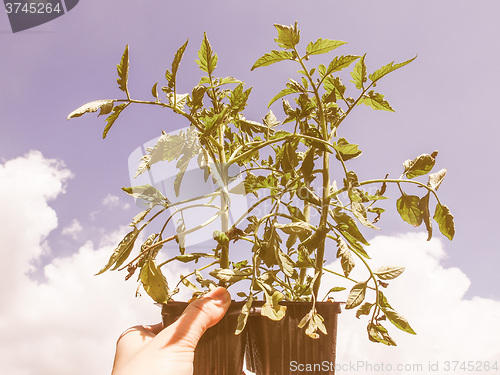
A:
[446,100]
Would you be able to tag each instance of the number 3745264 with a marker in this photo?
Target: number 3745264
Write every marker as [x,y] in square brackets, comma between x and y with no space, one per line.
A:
[33,8]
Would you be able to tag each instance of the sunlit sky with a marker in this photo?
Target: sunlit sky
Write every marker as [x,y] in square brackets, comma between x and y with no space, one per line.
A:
[62,205]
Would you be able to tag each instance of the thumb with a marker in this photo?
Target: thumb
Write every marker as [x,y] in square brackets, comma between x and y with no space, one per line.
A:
[200,315]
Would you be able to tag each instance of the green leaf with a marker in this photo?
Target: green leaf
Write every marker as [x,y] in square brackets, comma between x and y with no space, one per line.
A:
[346,150]
[208,58]
[238,98]
[286,264]
[104,105]
[122,69]
[359,210]
[288,36]
[271,58]
[243,317]
[349,225]
[444,218]
[148,193]
[171,76]
[153,281]
[376,101]
[346,260]
[359,73]
[356,295]
[364,309]
[398,320]
[424,207]
[112,118]
[230,276]
[409,209]
[323,46]
[272,309]
[154,91]
[300,228]
[226,80]
[389,273]
[419,166]
[378,333]
[281,94]
[339,63]
[221,238]
[122,251]
[386,69]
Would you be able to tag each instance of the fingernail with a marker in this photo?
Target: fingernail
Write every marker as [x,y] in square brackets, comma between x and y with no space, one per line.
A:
[220,295]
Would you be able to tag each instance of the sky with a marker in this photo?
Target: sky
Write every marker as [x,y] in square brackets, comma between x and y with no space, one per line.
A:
[63,210]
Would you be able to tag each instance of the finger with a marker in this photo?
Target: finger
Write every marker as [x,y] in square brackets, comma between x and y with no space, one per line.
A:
[134,339]
[196,319]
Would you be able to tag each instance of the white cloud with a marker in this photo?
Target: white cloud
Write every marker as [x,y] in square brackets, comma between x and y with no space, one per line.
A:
[430,296]
[73,229]
[69,323]
[111,201]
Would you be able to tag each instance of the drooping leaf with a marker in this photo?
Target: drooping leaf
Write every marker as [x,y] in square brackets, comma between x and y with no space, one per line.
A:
[230,276]
[122,251]
[272,309]
[376,101]
[426,215]
[207,57]
[378,333]
[364,309]
[112,117]
[347,224]
[346,150]
[122,69]
[105,107]
[386,69]
[271,58]
[323,46]
[389,273]
[359,73]
[139,217]
[409,209]
[286,264]
[356,295]
[243,317]
[444,218]
[288,36]
[314,323]
[153,281]
[359,210]
[346,260]
[419,166]
[398,320]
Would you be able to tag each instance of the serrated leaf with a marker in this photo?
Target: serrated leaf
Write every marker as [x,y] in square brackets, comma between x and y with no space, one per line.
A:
[389,273]
[356,295]
[148,193]
[105,107]
[375,101]
[359,73]
[436,179]
[281,94]
[409,209]
[339,63]
[288,36]
[419,166]
[208,58]
[112,118]
[386,69]
[122,251]
[271,58]
[122,69]
[323,46]
[444,218]
[171,76]
[153,281]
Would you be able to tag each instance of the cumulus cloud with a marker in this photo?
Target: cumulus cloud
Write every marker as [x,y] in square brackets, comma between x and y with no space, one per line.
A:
[111,201]
[431,297]
[68,324]
[73,229]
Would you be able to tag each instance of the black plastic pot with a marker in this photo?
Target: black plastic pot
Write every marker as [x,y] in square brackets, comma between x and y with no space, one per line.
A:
[281,348]
[220,351]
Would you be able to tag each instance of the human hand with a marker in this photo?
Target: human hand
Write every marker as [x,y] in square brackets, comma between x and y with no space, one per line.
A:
[153,350]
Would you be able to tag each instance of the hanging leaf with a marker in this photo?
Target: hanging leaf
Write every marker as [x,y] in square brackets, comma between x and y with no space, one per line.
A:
[112,118]
[364,309]
[424,208]
[436,179]
[208,58]
[346,150]
[346,260]
[104,105]
[153,281]
[398,320]
[272,309]
[356,295]
[323,46]
[444,218]
[122,251]
[271,58]
[122,69]
[409,209]
[389,273]
[386,69]
[243,317]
